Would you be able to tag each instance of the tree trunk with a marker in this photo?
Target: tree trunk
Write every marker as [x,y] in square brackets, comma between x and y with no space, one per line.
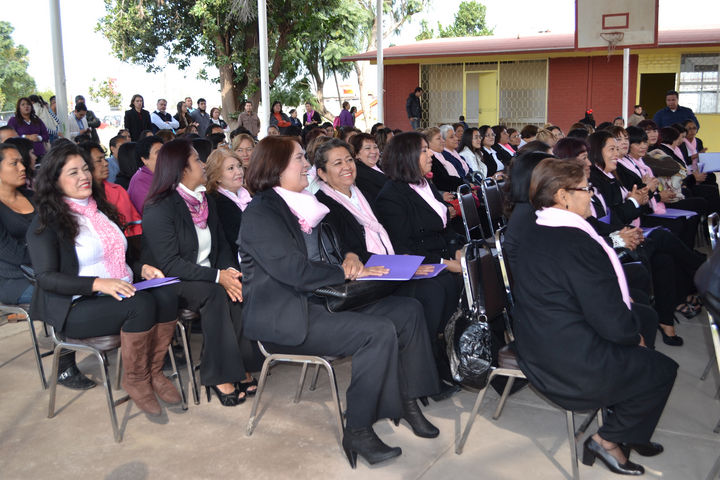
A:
[228,93]
[360,71]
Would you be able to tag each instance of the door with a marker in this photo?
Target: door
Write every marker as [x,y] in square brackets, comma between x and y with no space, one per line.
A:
[480,106]
[653,87]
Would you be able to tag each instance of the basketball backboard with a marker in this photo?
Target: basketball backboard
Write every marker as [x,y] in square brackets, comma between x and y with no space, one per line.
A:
[622,23]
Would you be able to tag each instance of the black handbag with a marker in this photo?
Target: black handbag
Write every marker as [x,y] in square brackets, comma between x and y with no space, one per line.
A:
[351,294]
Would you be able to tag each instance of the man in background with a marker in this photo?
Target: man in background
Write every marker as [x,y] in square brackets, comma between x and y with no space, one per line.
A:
[201,116]
[93,121]
[161,119]
[674,113]
[413,108]
[249,120]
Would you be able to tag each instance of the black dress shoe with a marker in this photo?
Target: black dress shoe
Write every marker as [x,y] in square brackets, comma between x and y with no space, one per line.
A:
[593,450]
[673,341]
[420,425]
[649,449]
[365,442]
[73,378]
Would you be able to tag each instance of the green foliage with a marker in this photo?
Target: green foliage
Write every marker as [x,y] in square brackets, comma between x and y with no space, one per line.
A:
[46,94]
[15,82]
[469,22]
[107,90]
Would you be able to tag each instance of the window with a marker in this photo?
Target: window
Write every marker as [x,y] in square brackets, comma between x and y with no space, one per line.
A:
[699,85]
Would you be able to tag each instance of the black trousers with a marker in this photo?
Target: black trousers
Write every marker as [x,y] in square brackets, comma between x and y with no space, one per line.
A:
[221,321]
[390,349]
[636,407]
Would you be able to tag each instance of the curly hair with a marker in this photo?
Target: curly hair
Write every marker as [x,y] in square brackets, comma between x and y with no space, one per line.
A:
[51,206]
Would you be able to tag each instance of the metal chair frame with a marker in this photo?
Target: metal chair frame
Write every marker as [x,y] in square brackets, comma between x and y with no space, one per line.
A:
[492,201]
[713,226]
[185,329]
[304,360]
[20,310]
[469,212]
[715,334]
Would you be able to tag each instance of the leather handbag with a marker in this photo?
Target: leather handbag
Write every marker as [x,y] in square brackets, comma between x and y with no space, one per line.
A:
[352,294]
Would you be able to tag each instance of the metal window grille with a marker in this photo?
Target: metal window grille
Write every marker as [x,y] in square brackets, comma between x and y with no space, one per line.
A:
[699,84]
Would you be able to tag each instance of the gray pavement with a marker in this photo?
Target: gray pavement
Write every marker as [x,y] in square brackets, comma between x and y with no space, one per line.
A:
[299,441]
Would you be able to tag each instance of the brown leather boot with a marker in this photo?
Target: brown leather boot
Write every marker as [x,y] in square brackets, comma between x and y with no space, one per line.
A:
[162,386]
[135,350]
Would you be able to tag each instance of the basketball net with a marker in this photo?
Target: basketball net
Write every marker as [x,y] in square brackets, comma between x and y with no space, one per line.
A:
[613,38]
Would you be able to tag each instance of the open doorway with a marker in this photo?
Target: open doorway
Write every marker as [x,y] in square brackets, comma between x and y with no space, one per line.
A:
[653,87]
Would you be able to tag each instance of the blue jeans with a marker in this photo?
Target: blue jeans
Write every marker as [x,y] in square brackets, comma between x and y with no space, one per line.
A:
[415,123]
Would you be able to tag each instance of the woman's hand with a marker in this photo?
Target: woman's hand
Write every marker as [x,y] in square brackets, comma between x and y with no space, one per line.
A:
[33,137]
[641,196]
[230,280]
[452,213]
[499,176]
[377,271]
[448,196]
[352,266]
[699,177]
[667,195]
[632,237]
[651,182]
[148,272]
[425,270]
[116,288]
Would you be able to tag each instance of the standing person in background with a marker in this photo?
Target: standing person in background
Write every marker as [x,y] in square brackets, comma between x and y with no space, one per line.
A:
[637,116]
[674,113]
[346,118]
[215,118]
[161,119]
[189,104]
[28,125]
[311,117]
[77,123]
[92,120]
[185,121]
[201,116]
[413,108]
[294,121]
[249,120]
[278,118]
[137,119]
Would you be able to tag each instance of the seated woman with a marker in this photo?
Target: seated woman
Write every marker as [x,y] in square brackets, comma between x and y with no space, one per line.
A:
[281,265]
[692,146]
[360,232]
[29,159]
[450,153]
[77,251]
[181,234]
[470,150]
[243,144]
[225,180]
[445,175]
[128,164]
[411,209]
[504,152]
[370,177]
[130,219]
[570,290]
[490,157]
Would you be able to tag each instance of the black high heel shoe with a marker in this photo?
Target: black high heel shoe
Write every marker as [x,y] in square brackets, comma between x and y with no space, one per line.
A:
[420,425]
[593,450]
[245,386]
[674,341]
[366,442]
[226,399]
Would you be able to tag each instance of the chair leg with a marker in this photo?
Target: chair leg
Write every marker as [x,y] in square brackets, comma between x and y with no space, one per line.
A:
[102,358]
[504,397]
[708,367]
[256,401]
[176,374]
[301,383]
[336,398]
[588,420]
[189,363]
[36,351]
[118,370]
[573,444]
[473,413]
[53,381]
[313,384]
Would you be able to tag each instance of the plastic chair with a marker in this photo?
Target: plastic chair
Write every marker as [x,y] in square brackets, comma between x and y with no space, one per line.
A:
[487,299]
[304,360]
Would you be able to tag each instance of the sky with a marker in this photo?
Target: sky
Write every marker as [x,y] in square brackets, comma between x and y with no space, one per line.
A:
[88,54]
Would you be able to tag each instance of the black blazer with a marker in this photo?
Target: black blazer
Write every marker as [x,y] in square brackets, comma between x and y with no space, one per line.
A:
[442,180]
[577,341]
[413,226]
[369,181]
[171,244]
[315,117]
[278,277]
[56,271]
[350,233]
[489,162]
[503,155]
[622,211]
[230,217]
[137,124]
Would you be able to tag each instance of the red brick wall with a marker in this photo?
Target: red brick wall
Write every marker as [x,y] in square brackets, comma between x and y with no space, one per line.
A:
[400,80]
[577,84]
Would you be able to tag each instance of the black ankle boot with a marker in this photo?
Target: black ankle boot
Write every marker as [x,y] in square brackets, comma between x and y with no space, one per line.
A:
[69,376]
[420,425]
[365,442]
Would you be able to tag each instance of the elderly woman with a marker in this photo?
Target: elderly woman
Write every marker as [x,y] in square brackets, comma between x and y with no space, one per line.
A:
[281,264]
[243,144]
[370,177]
[450,153]
[278,119]
[444,174]
[570,290]
[78,251]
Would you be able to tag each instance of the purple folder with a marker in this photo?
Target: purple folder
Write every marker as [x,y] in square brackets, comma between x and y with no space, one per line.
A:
[402,267]
[674,213]
[155,282]
[437,268]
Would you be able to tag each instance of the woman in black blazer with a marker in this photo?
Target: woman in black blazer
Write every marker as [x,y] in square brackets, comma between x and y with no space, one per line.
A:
[570,291]
[78,251]
[282,265]
[411,209]
[348,208]
[370,178]
[182,235]
[137,118]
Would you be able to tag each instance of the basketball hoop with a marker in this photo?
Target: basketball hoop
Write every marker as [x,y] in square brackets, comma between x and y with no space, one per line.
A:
[612,38]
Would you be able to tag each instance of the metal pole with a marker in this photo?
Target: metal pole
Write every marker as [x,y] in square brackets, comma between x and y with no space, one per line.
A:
[59,63]
[380,67]
[626,84]
[264,69]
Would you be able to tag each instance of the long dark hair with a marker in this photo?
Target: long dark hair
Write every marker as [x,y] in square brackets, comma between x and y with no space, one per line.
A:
[596,142]
[520,173]
[33,117]
[400,158]
[172,159]
[467,140]
[25,147]
[51,206]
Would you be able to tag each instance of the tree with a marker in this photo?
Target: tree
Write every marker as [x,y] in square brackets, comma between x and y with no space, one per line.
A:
[469,22]
[107,90]
[15,82]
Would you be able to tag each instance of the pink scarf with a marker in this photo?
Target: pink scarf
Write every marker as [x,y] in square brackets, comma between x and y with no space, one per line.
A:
[112,239]
[639,166]
[198,207]
[241,198]
[377,239]
[508,147]
[452,171]
[426,194]
[691,146]
[556,217]
[308,210]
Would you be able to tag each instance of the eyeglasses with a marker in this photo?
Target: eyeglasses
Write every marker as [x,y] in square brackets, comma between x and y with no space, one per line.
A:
[587,189]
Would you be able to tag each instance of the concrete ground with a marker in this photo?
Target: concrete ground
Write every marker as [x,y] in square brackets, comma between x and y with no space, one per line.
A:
[299,441]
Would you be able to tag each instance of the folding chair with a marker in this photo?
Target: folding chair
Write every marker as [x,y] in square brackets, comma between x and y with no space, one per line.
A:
[469,212]
[493,203]
[22,311]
